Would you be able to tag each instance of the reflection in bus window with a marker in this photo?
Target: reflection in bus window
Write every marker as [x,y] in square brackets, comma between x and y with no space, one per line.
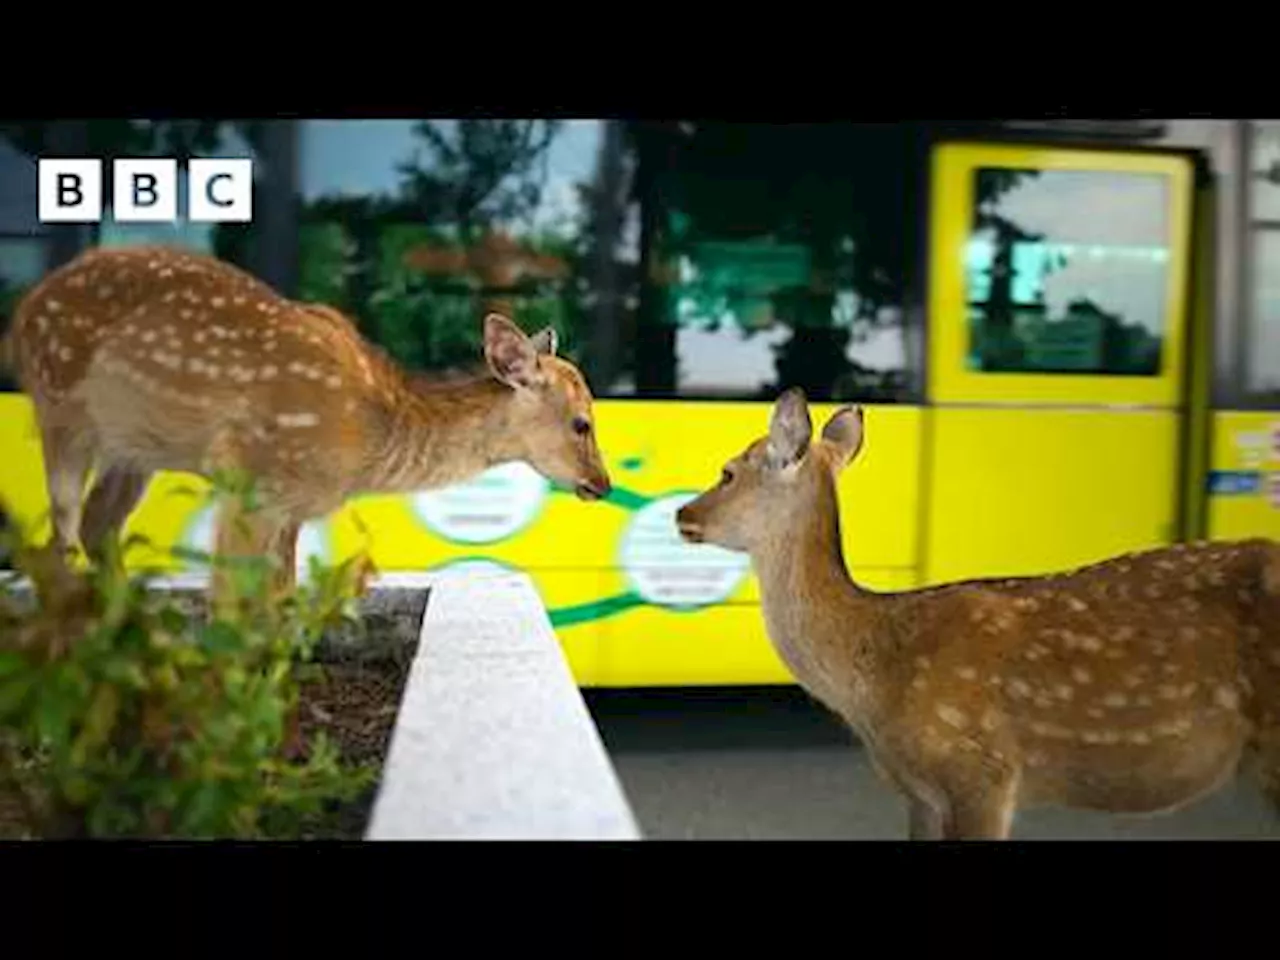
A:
[417,228]
[1066,272]
[1263,353]
[740,309]
[1264,340]
[1264,165]
[781,256]
[23,240]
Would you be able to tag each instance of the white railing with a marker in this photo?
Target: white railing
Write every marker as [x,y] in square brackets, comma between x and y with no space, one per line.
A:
[493,739]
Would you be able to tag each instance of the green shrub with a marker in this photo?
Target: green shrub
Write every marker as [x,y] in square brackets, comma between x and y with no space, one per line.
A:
[122,714]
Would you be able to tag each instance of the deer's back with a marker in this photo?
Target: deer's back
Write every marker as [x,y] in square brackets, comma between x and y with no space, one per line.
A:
[59,326]
[165,349]
[1124,684]
[1192,609]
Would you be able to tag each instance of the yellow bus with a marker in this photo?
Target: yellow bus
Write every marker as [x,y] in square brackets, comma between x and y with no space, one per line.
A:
[1064,341]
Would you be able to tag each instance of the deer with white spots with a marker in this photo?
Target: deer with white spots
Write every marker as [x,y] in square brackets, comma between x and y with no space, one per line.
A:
[145,359]
[1134,686]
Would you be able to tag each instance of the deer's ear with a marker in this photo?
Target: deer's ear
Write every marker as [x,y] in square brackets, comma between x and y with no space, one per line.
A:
[790,429]
[844,433]
[511,355]
[545,341]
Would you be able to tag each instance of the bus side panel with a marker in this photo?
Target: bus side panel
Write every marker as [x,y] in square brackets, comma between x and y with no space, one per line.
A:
[610,573]
[22,487]
[1244,479]
[722,645]
[1028,491]
[724,642]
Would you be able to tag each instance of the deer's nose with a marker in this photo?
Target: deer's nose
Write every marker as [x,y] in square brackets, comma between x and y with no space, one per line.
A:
[596,488]
[689,528]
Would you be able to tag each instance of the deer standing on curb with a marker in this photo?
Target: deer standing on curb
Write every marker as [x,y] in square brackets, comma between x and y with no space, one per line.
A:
[1136,685]
[144,359]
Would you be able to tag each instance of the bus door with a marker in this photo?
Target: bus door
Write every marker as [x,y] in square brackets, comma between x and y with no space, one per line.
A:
[1057,334]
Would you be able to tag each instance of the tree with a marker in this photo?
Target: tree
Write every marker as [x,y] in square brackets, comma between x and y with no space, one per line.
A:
[484,175]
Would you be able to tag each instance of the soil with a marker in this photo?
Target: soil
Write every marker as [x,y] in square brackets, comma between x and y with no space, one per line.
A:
[354,704]
[13,821]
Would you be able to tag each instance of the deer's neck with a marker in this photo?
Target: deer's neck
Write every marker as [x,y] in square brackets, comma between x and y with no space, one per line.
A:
[436,433]
[822,624]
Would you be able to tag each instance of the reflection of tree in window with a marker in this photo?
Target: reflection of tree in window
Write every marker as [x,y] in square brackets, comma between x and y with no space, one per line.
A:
[476,215]
[419,266]
[1002,241]
[843,194]
[1015,324]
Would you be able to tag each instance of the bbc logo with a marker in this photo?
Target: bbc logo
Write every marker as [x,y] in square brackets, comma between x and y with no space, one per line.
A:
[146,191]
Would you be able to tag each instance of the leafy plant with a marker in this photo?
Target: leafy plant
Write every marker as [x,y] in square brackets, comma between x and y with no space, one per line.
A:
[126,713]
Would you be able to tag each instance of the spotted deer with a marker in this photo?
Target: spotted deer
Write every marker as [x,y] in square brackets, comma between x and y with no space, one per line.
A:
[145,359]
[1135,685]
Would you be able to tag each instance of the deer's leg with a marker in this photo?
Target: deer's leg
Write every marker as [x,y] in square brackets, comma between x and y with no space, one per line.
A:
[284,549]
[282,543]
[981,802]
[1266,763]
[242,536]
[67,458]
[265,535]
[240,532]
[112,499]
[984,820]
[924,821]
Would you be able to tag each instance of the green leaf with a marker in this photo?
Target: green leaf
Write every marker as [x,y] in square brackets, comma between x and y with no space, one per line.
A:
[11,662]
[14,692]
[127,673]
[78,789]
[53,717]
[98,722]
[219,637]
[173,620]
[201,813]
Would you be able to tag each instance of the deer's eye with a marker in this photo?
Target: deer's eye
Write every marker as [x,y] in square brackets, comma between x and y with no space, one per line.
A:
[581,426]
[726,477]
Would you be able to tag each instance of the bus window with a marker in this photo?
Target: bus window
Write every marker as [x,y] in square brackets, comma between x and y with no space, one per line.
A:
[1264,352]
[1067,272]
[1263,297]
[780,255]
[418,227]
[23,241]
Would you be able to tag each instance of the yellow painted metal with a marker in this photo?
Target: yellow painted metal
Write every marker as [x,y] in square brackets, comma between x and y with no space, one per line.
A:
[938,493]
[1024,491]
[721,646]
[1031,473]
[952,204]
[1246,447]
[573,550]
[1196,457]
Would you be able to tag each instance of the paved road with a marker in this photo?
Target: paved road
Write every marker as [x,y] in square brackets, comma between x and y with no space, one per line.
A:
[769,764]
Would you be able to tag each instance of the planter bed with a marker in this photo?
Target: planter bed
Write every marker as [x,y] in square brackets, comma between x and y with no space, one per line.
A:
[482,736]
[351,694]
